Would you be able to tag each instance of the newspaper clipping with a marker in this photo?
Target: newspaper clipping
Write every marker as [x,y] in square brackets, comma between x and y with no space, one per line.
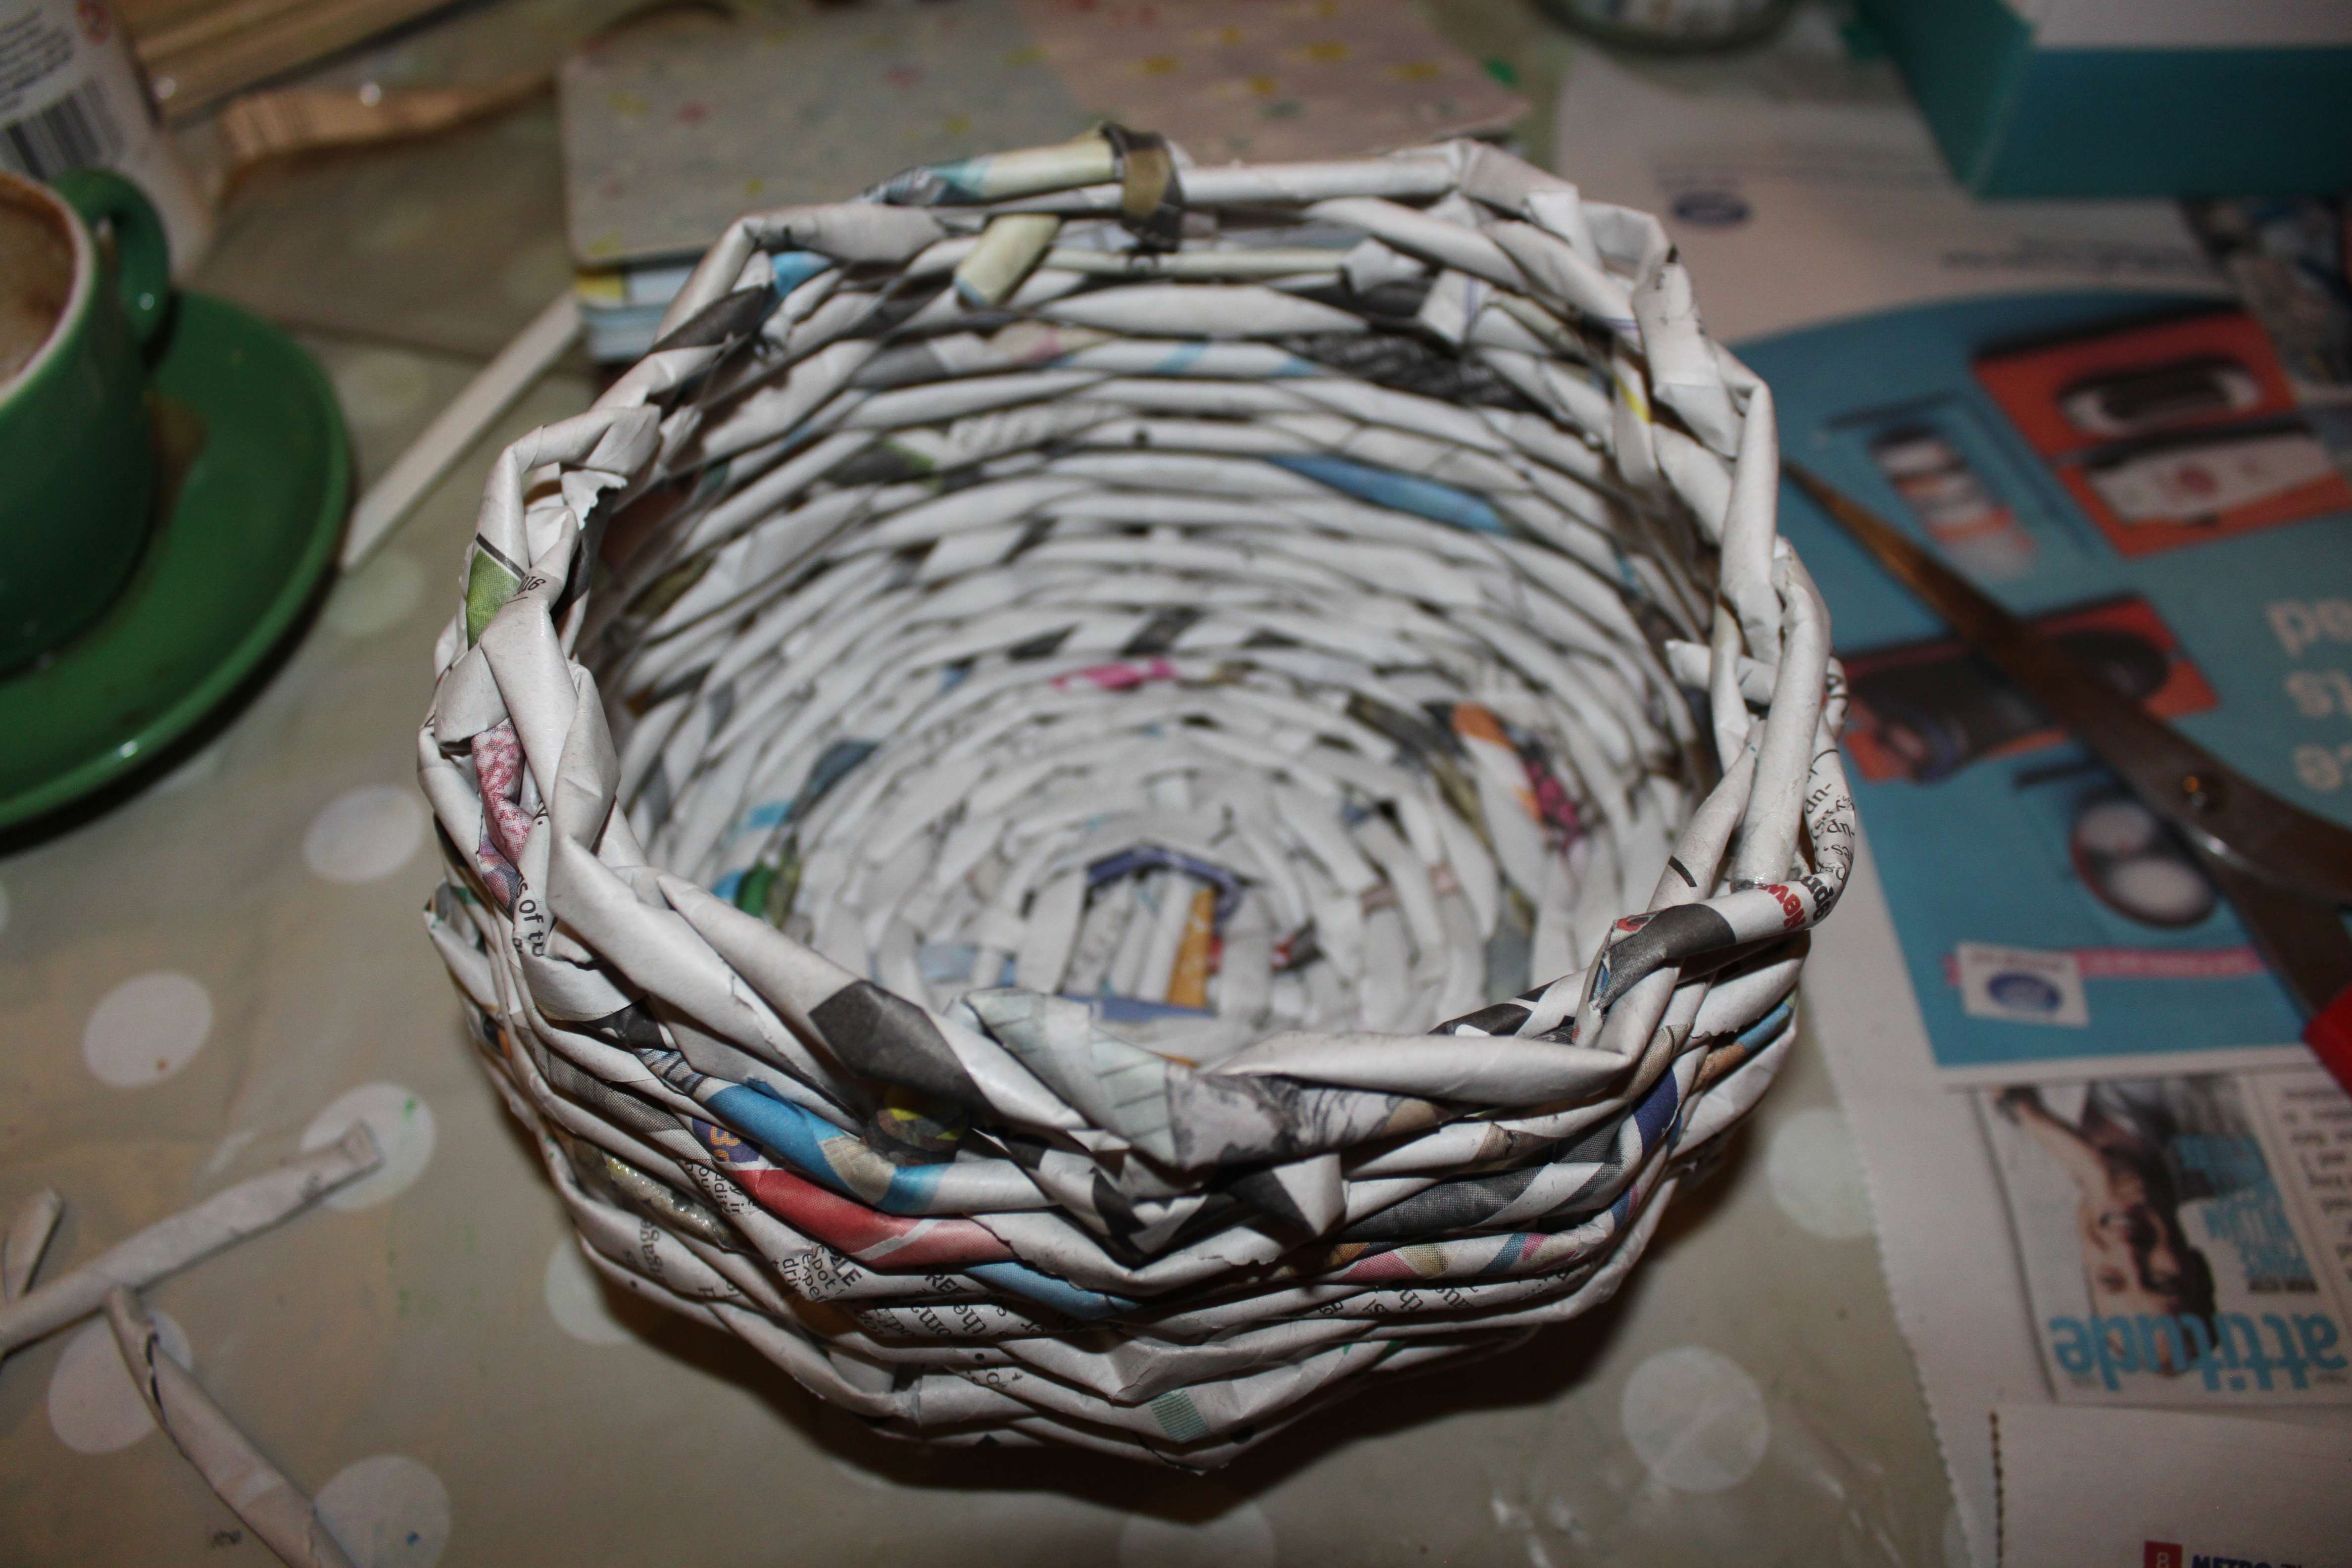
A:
[2173,1254]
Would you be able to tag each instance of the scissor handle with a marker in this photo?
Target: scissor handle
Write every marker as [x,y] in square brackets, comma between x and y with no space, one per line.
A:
[2329,1036]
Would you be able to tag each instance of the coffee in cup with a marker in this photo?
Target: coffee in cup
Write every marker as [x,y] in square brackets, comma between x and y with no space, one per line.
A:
[37,275]
[77,466]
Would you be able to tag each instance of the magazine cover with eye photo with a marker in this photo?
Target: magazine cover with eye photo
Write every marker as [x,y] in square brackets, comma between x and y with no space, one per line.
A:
[2164,1255]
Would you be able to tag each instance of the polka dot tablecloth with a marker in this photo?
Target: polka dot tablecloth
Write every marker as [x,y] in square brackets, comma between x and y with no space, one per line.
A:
[230,968]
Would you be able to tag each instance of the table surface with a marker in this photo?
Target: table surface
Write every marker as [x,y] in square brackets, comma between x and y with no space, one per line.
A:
[438,1360]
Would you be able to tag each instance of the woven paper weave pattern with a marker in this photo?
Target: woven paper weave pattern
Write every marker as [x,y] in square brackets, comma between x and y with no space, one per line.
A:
[1107,796]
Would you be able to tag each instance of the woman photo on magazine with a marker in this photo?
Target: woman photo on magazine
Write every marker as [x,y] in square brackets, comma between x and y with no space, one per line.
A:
[2136,1257]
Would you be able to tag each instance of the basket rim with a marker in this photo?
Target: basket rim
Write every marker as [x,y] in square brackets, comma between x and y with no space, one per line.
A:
[573,945]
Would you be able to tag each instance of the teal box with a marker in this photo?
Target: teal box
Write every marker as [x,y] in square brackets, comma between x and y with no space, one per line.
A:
[2131,98]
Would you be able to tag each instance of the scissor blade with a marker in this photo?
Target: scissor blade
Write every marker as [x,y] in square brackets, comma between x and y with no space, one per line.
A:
[2303,940]
[2304,944]
[2218,809]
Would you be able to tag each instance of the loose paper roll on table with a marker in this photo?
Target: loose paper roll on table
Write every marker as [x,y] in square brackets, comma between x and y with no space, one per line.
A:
[1106,795]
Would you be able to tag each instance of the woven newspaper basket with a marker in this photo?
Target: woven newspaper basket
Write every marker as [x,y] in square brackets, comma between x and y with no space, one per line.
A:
[1107,796]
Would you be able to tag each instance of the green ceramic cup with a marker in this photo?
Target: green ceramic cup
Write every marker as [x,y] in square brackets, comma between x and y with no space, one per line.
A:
[77,464]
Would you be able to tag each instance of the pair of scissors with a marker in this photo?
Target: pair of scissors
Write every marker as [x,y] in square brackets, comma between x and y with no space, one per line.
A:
[2287,872]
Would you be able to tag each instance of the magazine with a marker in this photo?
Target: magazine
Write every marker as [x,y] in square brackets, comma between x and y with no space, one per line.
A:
[2163,1255]
[2130,422]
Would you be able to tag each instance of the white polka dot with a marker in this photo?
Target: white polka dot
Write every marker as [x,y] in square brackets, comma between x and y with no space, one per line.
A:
[1817,1177]
[388,1511]
[537,272]
[192,772]
[94,1407]
[575,1296]
[146,1029]
[1240,1537]
[402,1125]
[382,386]
[376,597]
[365,833]
[1955,1542]
[1695,1419]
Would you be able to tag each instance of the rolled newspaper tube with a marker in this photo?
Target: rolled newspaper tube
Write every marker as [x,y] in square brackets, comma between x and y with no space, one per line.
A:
[1189,872]
[27,1239]
[238,1473]
[173,1244]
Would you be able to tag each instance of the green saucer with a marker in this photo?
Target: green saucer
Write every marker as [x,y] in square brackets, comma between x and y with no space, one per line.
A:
[233,565]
